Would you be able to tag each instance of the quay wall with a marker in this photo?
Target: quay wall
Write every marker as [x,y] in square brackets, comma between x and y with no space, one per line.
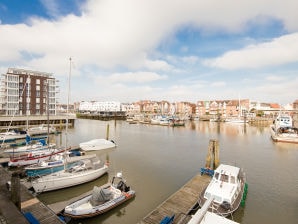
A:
[18,122]
[104,116]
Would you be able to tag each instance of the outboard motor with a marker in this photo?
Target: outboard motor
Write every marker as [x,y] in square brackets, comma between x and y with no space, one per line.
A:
[225,205]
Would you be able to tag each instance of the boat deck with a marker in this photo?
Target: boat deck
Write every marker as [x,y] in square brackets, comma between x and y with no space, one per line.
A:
[180,203]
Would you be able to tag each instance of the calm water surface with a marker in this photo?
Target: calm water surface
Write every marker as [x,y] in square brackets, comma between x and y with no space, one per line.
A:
[156,161]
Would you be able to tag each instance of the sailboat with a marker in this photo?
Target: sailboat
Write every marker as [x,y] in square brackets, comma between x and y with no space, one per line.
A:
[34,156]
[54,164]
[85,171]
[31,147]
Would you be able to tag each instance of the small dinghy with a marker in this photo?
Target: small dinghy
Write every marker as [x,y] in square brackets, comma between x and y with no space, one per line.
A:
[101,200]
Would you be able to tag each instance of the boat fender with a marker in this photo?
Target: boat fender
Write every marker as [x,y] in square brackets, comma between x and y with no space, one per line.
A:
[226,205]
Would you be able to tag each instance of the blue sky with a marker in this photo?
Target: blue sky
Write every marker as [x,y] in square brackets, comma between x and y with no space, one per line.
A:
[175,50]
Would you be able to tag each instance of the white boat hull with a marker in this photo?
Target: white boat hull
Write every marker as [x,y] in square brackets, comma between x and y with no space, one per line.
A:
[33,158]
[87,210]
[101,200]
[65,179]
[97,144]
[291,137]
[30,148]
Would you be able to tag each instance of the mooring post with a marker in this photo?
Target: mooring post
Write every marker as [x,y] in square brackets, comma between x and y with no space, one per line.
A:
[212,159]
[108,130]
[15,189]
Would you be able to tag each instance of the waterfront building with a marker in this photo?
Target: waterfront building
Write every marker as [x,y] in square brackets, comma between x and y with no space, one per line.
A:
[26,92]
[96,107]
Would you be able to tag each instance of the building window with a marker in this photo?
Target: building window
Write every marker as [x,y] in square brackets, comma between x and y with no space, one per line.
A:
[37,81]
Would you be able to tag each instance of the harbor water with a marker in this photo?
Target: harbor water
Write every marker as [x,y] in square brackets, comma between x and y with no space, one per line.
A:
[156,161]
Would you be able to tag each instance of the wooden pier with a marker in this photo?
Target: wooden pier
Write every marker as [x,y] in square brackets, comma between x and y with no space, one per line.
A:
[180,203]
[13,211]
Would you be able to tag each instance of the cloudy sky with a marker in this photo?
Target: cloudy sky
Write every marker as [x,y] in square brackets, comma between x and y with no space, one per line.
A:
[175,50]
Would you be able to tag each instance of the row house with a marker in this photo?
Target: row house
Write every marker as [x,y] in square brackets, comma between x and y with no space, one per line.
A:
[225,108]
[184,109]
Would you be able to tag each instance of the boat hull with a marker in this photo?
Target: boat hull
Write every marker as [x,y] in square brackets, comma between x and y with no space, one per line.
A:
[97,144]
[65,179]
[23,160]
[97,210]
[54,166]
[284,137]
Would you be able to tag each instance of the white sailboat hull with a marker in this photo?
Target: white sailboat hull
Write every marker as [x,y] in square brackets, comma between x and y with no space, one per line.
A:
[34,157]
[65,179]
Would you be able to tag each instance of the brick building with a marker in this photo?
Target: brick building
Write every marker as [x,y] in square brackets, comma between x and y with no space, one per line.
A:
[26,92]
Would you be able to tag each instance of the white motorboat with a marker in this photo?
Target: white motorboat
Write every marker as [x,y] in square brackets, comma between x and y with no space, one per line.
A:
[101,200]
[86,171]
[97,144]
[228,187]
[282,129]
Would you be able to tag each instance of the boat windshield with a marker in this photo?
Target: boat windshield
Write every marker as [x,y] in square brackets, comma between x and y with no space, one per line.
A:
[224,178]
[216,175]
[233,180]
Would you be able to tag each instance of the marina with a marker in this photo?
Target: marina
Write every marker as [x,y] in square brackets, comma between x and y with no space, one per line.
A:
[158,161]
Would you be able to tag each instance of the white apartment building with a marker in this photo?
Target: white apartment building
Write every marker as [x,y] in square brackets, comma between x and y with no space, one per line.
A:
[94,106]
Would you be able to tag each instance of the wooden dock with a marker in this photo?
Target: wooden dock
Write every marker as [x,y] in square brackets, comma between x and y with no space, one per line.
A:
[13,213]
[180,203]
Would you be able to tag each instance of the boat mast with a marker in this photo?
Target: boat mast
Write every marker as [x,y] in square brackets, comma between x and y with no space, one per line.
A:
[67,106]
[67,109]
[48,111]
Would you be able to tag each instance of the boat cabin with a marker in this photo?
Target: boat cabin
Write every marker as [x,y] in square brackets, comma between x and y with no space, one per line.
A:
[225,184]
[283,121]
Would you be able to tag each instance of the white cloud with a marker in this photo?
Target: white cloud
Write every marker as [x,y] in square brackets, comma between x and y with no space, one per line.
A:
[52,7]
[218,84]
[275,78]
[112,34]
[135,77]
[279,51]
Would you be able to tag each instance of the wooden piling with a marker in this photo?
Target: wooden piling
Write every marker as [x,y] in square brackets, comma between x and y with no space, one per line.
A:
[108,131]
[212,159]
[15,189]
